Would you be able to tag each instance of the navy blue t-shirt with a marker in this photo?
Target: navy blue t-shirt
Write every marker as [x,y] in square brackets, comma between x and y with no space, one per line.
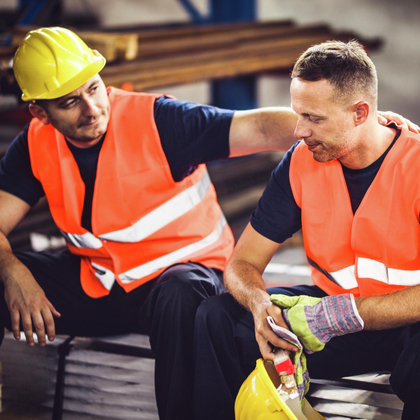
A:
[278,217]
[190,134]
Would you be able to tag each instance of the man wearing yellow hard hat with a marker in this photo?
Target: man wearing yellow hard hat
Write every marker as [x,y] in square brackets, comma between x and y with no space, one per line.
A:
[353,188]
[125,179]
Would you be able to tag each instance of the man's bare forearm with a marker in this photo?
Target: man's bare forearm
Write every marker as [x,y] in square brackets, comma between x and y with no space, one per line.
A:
[8,261]
[245,284]
[393,310]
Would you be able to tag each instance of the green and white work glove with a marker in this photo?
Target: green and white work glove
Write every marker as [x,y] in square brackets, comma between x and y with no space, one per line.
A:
[316,320]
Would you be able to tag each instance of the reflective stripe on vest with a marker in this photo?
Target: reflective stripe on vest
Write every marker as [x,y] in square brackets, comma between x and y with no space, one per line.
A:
[178,255]
[86,240]
[344,278]
[162,215]
[150,223]
[107,277]
[367,268]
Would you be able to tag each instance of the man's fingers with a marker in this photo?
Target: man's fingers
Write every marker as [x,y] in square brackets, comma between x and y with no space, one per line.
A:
[27,329]
[49,323]
[54,311]
[265,348]
[276,341]
[265,331]
[38,323]
[15,320]
[385,117]
[413,127]
[382,120]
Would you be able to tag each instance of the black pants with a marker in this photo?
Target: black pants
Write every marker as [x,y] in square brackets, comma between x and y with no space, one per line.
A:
[226,351]
[163,308]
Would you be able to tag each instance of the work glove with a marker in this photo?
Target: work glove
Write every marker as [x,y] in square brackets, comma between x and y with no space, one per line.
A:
[316,320]
[298,358]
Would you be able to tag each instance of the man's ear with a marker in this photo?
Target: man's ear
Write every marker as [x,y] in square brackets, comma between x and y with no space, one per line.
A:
[361,112]
[39,112]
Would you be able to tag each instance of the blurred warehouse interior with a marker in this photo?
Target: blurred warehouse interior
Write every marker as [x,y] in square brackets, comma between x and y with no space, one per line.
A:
[388,29]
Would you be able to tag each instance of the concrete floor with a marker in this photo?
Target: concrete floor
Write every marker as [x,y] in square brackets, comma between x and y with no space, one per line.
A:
[103,386]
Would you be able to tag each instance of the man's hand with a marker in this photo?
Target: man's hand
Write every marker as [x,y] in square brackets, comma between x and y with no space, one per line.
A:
[264,335]
[28,304]
[385,117]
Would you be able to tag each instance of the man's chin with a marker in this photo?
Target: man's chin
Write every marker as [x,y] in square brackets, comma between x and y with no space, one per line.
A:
[92,135]
[319,157]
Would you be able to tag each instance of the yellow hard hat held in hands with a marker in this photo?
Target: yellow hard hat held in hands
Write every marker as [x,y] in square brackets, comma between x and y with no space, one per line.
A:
[276,390]
[258,398]
[52,62]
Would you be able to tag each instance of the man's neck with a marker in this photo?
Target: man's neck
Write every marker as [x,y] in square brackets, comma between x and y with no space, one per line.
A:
[373,142]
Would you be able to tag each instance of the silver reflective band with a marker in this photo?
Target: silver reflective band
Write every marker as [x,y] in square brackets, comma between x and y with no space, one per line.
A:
[372,269]
[162,215]
[176,256]
[345,277]
[87,240]
[106,276]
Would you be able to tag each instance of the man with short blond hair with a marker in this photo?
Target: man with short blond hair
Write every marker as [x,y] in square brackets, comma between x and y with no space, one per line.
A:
[352,186]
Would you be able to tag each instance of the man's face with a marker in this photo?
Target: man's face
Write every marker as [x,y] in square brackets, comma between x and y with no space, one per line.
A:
[324,124]
[81,116]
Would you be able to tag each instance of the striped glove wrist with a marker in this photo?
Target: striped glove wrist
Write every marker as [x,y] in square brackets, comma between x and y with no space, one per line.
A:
[315,321]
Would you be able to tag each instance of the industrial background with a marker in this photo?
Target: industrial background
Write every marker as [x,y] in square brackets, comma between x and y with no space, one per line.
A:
[230,53]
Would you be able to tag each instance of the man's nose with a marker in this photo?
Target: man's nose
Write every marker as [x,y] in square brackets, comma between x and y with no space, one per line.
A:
[90,109]
[301,131]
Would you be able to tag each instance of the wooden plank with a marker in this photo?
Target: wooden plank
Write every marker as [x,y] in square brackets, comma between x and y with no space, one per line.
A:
[255,57]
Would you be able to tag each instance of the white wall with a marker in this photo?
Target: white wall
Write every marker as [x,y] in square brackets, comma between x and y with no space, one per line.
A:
[396,21]
[397,63]
[132,12]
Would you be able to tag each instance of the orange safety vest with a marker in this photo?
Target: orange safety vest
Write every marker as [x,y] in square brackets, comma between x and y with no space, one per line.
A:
[142,220]
[376,250]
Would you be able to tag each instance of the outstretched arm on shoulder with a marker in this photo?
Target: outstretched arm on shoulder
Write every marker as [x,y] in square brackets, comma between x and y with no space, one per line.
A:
[261,130]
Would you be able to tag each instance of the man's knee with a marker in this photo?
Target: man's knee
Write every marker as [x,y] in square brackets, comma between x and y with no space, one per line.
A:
[215,310]
[189,281]
[222,319]
[181,289]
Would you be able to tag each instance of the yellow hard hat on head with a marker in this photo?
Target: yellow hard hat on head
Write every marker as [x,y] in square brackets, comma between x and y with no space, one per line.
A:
[52,62]
[258,399]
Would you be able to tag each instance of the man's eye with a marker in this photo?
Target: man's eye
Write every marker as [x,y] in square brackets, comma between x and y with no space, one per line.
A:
[69,104]
[314,119]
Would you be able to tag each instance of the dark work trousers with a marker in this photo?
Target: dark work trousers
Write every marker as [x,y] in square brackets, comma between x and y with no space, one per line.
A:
[226,351]
[163,308]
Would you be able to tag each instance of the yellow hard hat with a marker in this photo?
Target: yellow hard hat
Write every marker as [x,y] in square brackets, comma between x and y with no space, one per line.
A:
[258,399]
[52,62]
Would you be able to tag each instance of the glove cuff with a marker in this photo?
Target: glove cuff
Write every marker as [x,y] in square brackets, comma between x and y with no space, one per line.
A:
[342,314]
